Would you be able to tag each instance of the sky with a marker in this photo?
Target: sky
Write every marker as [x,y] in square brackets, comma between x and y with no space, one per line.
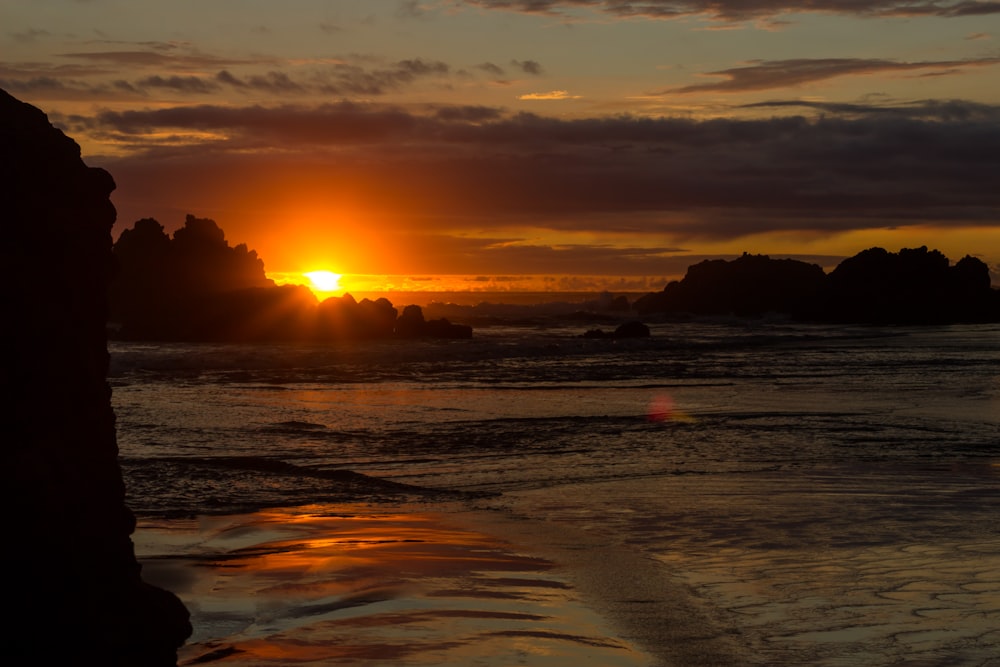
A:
[530,144]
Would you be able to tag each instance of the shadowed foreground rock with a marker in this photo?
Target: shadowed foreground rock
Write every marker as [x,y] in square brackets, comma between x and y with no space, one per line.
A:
[74,594]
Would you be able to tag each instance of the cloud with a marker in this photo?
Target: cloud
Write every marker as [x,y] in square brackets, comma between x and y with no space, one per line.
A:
[950,111]
[29,36]
[161,57]
[551,95]
[855,167]
[528,66]
[331,77]
[270,82]
[184,84]
[491,68]
[410,9]
[746,10]
[769,74]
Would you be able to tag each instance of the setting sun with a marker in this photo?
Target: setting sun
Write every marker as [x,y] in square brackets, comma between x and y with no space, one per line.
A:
[324,281]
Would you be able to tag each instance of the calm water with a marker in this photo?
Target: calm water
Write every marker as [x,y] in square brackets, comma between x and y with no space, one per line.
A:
[201,427]
[832,490]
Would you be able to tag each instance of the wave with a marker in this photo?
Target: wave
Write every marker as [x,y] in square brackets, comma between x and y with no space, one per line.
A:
[189,486]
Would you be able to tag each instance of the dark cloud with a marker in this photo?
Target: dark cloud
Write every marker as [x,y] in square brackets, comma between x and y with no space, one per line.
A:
[271,82]
[949,111]
[768,74]
[491,68]
[184,84]
[927,163]
[743,10]
[341,79]
[528,66]
[353,79]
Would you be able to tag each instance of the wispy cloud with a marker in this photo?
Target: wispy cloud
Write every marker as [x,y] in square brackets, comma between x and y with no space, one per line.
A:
[157,58]
[746,10]
[528,66]
[186,84]
[769,74]
[29,35]
[183,71]
[551,95]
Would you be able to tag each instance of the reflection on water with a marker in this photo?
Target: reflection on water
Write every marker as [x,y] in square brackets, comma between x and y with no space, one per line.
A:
[866,565]
[377,588]
[831,491]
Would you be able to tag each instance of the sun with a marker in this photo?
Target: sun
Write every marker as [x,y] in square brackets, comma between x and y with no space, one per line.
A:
[324,281]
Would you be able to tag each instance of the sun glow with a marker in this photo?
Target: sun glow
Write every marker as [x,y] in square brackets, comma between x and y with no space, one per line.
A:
[323,281]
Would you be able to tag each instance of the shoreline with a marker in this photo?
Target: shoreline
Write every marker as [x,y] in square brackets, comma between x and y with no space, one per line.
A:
[356,584]
[825,568]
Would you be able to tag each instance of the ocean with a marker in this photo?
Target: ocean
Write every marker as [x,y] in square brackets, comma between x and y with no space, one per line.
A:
[830,492]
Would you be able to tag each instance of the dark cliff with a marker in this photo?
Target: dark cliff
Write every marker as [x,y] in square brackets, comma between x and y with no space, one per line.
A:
[75,594]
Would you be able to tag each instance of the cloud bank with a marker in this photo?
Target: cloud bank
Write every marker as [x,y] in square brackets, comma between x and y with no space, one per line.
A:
[855,167]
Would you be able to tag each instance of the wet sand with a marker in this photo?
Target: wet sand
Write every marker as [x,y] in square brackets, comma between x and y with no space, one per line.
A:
[880,567]
[360,585]
[873,566]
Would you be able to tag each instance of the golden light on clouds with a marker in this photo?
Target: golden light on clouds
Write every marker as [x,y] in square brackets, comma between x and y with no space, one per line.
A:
[551,95]
[404,149]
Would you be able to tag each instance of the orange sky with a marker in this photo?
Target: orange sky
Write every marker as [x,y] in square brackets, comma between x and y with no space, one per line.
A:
[590,142]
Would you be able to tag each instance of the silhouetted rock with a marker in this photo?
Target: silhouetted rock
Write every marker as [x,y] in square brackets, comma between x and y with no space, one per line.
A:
[914,286]
[442,328]
[74,593]
[195,287]
[165,287]
[632,330]
[749,286]
[344,317]
[411,324]
[256,314]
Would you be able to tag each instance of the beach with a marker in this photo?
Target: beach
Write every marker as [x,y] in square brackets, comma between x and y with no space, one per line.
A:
[715,495]
[541,578]
[364,585]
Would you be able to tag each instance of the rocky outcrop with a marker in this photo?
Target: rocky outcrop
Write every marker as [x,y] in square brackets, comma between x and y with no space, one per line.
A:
[174,288]
[195,287]
[913,286]
[74,592]
[411,324]
[749,286]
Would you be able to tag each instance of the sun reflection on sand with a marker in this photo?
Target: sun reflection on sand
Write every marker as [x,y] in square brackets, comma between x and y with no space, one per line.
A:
[355,586]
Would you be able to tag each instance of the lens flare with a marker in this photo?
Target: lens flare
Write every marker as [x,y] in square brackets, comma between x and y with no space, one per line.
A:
[663,409]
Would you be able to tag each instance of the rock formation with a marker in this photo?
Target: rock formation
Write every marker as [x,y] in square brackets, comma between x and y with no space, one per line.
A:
[913,286]
[74,593]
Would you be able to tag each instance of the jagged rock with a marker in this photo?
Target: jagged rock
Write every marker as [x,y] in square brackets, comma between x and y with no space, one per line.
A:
[913,286]
[750,285]
[632,330]
[74,592]
[411,324]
